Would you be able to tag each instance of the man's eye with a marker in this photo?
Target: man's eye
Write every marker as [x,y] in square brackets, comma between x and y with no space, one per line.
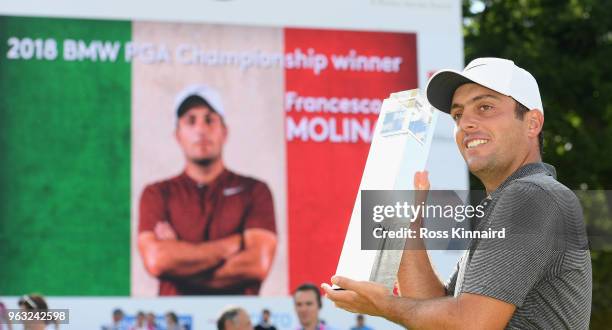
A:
[456,116]
[485,107]
[211,120]
[191,120]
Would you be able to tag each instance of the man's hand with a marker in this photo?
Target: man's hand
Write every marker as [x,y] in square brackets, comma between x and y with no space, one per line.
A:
[421,181]
[359,296]
[421,187]
[468,311]
[164,231]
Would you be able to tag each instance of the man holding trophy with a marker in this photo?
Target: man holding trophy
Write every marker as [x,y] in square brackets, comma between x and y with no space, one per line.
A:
[539,276]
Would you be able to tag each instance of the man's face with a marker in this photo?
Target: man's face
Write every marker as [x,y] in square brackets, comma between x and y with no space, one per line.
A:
[266,316]
[140,318]
[201,134]
[488,134]
[117,317]
[242,322]
[306,307]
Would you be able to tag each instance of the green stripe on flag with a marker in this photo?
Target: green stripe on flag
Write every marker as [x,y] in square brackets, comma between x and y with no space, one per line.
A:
[65,162]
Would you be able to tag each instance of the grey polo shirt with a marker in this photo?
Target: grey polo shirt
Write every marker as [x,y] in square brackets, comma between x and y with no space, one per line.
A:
[543,265]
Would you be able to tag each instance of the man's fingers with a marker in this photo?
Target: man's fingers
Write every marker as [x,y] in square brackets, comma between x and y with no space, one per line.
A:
[326,287]
[344,282]
[420,175]
[338,295]
[331,293]
[421,181]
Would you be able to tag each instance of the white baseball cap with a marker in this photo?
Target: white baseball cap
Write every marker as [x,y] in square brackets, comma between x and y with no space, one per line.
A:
[497,74]
[209,95]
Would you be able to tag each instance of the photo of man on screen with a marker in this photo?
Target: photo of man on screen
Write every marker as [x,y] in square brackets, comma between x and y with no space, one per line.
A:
[207,231]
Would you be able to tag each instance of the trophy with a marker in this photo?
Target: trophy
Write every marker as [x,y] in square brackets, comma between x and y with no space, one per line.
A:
[400,146]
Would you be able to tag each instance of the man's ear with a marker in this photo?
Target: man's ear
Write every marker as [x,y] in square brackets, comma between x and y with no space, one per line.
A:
[535,122]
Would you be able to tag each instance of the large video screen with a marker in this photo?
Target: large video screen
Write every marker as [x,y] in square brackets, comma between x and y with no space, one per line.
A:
[89,116]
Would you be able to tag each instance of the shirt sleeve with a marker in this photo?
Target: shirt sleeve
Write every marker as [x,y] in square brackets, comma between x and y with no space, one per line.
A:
[261,212]
[152,208]
[507,268]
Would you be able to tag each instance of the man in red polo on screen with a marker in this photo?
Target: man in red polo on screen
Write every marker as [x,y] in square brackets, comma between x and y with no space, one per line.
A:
[207,231]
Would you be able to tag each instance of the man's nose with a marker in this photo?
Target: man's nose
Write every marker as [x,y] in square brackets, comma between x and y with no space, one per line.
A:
[201,127]
[468,122]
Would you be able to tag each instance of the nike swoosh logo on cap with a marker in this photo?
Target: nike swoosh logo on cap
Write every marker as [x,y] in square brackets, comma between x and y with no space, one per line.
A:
[475,66]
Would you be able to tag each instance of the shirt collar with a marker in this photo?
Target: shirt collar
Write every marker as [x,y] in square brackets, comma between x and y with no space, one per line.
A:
[211,185]
[524,171]
[320,326]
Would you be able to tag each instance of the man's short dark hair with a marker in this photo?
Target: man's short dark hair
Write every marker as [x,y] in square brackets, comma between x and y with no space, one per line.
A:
[192,101]
[520,111]
[172,316]
[313,288]
[33,302]
[230,314]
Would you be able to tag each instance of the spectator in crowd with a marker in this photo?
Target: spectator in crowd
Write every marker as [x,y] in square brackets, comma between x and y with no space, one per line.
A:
[265,323]
[307,302]
[172,322]
[140,322]
[36,303]
[150,321]
[118,322]
[234,318]
[361,323]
